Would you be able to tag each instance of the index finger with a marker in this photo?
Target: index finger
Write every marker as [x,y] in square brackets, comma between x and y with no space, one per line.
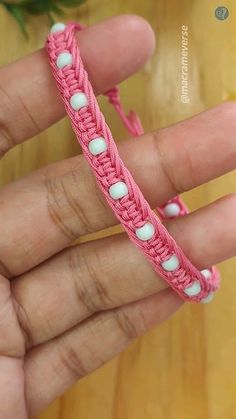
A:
[112,50]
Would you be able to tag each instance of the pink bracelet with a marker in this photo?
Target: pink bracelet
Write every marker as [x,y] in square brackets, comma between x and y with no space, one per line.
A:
[143,226]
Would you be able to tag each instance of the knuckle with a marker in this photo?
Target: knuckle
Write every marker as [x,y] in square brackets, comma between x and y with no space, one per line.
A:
[23,321]
[67,205]
[162,156]
[131,322]
[5,141]
[71,361]
[190,178]
[11,134]
[6,138]
[4,270]
[77,354]
[86,274]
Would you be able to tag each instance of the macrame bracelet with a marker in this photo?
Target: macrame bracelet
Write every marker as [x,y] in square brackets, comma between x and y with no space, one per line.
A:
[143,226]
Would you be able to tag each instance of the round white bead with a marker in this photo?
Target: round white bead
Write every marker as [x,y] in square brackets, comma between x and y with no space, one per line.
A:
[118,190]
[97,146]
[63,59]
[78,101]
[206,273]
[172,210]
[208,299]
[171,264]
[145,232]
[58,27]
[193,289]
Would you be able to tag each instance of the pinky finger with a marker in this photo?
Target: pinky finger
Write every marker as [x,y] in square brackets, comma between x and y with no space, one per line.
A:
[53,367]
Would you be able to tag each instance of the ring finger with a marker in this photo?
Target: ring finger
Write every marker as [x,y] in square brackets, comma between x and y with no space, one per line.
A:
[111,272]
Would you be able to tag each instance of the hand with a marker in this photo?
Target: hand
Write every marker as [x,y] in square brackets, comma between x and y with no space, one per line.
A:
[64,311]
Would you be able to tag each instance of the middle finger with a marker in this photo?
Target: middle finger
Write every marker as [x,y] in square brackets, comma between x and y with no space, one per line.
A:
[43,213]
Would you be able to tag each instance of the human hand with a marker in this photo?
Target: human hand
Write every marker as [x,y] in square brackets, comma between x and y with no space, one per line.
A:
[67,310]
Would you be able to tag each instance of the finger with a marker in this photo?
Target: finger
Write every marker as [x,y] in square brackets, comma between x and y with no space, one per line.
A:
[43,213]
[111,50]
[86,347]
[111,272]
[12,397]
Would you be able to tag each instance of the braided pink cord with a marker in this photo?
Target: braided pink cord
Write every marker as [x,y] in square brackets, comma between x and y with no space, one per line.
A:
[134,126]
[132,210]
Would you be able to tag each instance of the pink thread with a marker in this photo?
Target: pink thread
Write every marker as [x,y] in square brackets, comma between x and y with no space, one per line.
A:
[132,121]
[132,210]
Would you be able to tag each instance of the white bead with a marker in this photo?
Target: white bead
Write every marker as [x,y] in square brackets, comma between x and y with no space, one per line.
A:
[78,101]
[97,146]
[146,232]
[171,264]
[208,299]
[58,27]
[172,210]
[118,190]
[193,289]
[63,59]
[206,273]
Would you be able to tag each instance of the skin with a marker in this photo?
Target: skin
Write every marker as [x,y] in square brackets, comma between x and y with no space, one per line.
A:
[65,310]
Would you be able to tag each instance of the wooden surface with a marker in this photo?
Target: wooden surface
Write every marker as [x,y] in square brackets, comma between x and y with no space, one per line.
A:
[152,379]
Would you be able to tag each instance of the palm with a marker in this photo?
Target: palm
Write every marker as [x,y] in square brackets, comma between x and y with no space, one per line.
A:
[65,310]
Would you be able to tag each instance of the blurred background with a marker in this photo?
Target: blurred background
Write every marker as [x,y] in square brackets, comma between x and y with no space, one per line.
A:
[186,368]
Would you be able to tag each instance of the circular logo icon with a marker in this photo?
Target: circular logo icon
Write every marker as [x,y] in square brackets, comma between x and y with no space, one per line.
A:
[221,13]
